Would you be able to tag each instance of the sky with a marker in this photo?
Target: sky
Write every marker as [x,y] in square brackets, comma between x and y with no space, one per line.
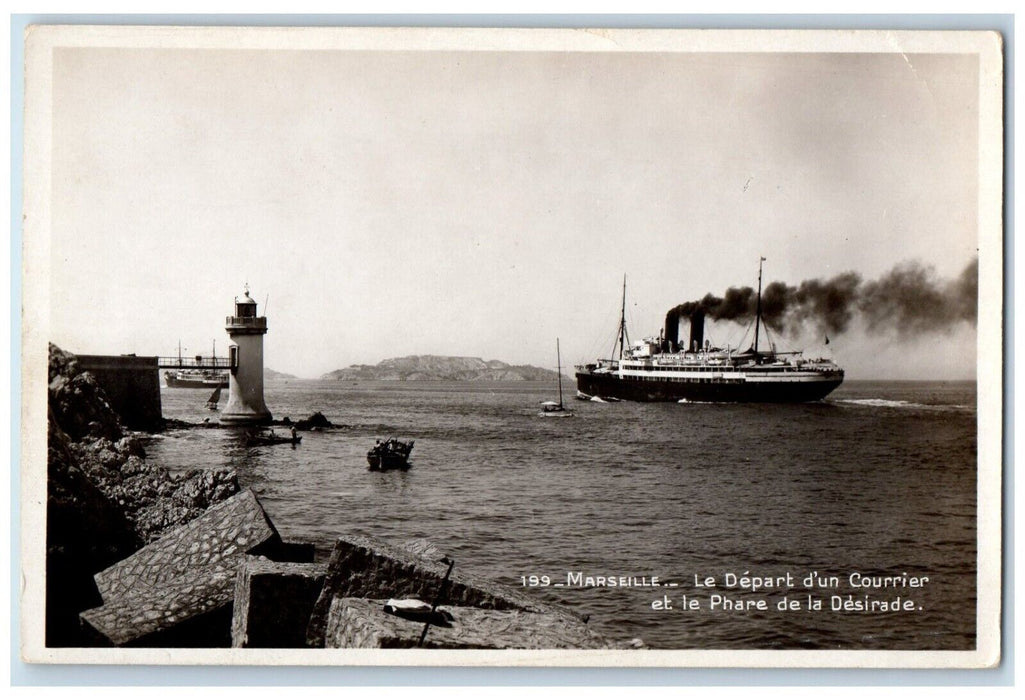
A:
[390,203]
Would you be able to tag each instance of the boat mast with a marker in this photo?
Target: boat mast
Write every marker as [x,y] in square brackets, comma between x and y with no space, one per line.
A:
[558,365]
[622,322]
[758,306]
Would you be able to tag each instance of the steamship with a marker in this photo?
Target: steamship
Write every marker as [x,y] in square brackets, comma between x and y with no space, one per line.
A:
[660,369]
[196,378]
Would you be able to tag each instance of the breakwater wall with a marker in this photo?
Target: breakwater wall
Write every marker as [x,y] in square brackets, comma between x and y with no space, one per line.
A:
[131,385]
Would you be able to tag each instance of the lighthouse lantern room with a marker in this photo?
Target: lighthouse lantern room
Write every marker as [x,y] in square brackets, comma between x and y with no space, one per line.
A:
[245,381]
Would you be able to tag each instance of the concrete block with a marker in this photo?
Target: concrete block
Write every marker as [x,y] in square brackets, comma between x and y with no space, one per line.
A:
[361,623]
[178,590]
[147,618]
[273,602]
[363,567]
[213,542]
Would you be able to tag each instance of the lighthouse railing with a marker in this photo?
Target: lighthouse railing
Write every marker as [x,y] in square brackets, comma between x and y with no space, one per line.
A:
[246,321]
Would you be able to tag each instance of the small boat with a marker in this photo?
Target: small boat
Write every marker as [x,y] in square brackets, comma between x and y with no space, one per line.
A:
[215,397]
[551,409]
[390,454]
[271,438]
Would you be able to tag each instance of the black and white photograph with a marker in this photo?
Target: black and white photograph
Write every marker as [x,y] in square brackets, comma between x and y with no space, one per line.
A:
[515,347]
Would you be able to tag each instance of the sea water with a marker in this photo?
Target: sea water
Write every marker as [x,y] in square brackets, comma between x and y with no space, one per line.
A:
[689,526]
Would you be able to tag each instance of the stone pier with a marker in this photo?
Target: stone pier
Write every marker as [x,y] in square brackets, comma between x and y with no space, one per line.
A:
[131,385]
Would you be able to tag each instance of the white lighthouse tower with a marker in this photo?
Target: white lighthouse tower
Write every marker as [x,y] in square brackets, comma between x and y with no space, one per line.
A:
[245,382]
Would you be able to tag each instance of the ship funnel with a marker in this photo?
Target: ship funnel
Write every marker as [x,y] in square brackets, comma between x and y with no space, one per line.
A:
[697,330]
[672,340]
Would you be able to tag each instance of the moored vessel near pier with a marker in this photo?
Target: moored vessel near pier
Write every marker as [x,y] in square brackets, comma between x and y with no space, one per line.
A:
[196,379]
[659,369]
[202,377]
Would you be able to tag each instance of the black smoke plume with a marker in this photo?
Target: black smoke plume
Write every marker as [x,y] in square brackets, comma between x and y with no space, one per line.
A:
[909,299]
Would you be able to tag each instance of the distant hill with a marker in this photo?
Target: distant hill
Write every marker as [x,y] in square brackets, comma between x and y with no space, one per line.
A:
[271,374]
[437,367]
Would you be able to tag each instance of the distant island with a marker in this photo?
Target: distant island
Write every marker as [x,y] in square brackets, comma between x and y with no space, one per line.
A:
[271,374]
[441,368]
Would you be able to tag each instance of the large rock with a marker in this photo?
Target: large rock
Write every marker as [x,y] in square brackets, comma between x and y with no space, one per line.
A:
[363,567]
[361,623]
[79,404]
[273,602]
[315,421]
[186,576]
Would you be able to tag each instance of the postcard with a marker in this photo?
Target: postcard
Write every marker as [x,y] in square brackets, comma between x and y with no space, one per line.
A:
[512,347]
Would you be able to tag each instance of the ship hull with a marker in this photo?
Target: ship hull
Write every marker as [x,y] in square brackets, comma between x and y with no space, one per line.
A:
[609,385]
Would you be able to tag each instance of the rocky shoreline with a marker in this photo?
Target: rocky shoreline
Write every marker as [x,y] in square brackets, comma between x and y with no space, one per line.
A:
[104,501]
[138,556]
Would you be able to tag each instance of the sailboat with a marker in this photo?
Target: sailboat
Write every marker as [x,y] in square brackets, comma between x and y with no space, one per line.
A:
[215,397]
[551,409]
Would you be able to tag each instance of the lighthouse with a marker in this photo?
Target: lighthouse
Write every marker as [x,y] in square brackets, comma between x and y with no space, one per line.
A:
[245,357]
